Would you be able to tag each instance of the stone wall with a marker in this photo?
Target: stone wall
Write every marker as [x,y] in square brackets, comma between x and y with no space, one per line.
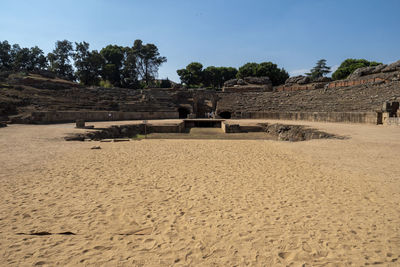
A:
[363,100]
[348,117]
[393,121]
[295,87]
[72,116]
[368,75]
[33,100]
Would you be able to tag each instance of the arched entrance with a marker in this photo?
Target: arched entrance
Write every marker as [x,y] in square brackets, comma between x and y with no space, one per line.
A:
[183,113]
[225,115]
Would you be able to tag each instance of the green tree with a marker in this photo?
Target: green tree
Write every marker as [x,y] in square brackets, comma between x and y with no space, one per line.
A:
[247,70]
[113,55]
[17,58]
[88,64]
[227,73]
[129,71]
[5,56]
[59,59]
[25,59]
[348,66]
[212,76]
[192,75]
[148,60]
[320,70]
[165,83]
[21,58]
[38,60]
[277,75]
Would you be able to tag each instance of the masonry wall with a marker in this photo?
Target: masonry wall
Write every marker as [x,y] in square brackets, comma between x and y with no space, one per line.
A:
[348,117]
[72,116]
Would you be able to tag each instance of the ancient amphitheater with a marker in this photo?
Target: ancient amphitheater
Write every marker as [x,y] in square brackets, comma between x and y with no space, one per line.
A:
[370,95]
[234,197]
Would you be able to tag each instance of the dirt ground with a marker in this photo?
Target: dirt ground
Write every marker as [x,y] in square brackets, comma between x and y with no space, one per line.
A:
[160,202]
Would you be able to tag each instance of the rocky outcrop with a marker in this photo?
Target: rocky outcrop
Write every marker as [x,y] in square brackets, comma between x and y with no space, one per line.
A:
[115,131]
[305,80]
[323,80]
[366,71]
[298,80]
[303,83]
[392,67]
[248,84]
[358,73]
[295,133]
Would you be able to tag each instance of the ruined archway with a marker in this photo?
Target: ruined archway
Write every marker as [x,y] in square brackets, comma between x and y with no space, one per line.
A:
[225,114]
[183,113]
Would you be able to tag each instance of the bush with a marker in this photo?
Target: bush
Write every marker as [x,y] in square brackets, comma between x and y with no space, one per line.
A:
[105,84]
[350,65]
[276,75]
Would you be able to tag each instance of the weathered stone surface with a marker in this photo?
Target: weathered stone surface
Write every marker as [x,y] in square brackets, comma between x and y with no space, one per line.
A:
[249,81]
[323,80]
[361,72]
[75,137]
[230,83]
[373,70]
[298,80]
[240,82]
[258,80]
[392,67]
[293,79]
[248,84]
[80,124]
[294,133]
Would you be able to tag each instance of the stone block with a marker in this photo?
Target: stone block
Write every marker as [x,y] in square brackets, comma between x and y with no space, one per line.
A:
[80,124]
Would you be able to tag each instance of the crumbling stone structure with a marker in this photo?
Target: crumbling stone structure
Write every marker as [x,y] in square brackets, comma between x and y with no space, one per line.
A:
[367,75]
[303,83]
[39,99]
[390,113]
[248,84]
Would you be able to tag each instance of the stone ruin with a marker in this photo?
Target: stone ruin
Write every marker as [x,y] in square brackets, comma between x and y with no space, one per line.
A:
[248,84]
[276,131]
[32,98]
[390,114]
[383,68]
[303,83]
[367,75]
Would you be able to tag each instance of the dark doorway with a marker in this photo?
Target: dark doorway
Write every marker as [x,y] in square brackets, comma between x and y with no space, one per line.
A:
[225,115]
[183,113]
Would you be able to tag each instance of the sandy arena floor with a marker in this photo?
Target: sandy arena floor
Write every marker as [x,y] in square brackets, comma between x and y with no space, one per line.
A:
[200,202]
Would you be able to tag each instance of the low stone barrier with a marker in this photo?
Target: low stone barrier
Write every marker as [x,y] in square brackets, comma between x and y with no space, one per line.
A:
[126,131]
[295,133]
[230,128]
[347,117]
[393,121]
[71,116]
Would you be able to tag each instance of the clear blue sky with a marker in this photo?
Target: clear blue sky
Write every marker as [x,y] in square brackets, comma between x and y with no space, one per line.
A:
[291,33]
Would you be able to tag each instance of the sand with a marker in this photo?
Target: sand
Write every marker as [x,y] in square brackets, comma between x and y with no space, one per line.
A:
[200,202]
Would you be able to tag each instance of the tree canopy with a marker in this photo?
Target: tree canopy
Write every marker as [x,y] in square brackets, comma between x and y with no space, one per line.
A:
[21,59]
[194,75]
[320,70]
[113,66]
[148,60]
[60,59]
[88,64]
[277,75]
[348,66]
